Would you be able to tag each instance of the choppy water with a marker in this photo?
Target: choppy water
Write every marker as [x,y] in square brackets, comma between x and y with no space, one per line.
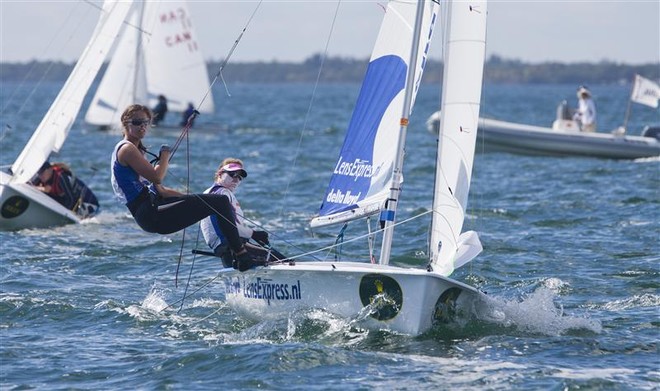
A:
[570,262]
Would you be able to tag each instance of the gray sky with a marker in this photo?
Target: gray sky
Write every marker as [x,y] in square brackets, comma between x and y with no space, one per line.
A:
[532,31]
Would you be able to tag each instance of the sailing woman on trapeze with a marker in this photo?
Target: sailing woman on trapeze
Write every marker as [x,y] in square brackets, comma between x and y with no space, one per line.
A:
[159,209]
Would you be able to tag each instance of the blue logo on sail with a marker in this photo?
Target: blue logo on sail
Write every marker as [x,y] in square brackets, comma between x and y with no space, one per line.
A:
[351,181]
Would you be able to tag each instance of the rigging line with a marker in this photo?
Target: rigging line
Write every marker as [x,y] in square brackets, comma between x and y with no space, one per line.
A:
[184,134]
[34,65]
[192,266]
[183,235]
[204,285]
[178,263]
[188,125]
[328,248]
[309,109]
[231,51]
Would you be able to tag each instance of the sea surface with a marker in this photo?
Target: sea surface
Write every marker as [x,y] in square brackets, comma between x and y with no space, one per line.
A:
[571,260]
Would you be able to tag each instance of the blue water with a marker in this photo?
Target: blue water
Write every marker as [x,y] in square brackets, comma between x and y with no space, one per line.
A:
[570,261]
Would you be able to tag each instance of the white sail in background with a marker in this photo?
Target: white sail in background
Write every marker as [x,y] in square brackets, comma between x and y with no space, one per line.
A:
[158,54]
[175,66]
[363,174]
[124,80]
[465,49]
[54,127]
[645,92]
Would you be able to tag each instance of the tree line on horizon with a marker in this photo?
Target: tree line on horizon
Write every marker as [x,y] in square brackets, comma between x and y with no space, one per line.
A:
[497,70]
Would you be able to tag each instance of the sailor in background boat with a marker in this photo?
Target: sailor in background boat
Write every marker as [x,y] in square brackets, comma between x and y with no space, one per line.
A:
[156,208]
[185,116]
[160,110]
[228,176]
[57,180]
[586,111]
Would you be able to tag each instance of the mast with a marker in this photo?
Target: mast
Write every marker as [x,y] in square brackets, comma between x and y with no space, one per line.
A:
[388,214]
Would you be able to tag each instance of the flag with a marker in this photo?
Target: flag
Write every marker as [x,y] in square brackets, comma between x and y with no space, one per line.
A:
[645,92]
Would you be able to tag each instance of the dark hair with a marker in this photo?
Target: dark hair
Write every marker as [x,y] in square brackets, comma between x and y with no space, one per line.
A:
[44,166]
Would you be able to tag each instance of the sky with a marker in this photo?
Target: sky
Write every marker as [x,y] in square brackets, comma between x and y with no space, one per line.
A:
[532,31]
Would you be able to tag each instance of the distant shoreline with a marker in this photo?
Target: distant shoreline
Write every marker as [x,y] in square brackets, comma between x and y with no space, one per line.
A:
[337,70]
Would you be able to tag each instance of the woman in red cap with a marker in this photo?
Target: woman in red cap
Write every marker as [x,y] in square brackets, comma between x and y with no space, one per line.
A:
[228,176]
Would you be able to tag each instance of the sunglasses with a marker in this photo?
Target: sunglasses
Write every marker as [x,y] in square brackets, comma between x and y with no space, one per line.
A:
[140,122]
[235,174]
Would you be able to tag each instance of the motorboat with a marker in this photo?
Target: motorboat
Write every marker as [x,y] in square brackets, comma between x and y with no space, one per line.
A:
[567,138]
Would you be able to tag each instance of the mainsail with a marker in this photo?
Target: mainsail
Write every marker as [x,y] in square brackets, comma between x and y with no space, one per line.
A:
[157,54]
[465,48]
[363,174]
[124,79]
[54,127]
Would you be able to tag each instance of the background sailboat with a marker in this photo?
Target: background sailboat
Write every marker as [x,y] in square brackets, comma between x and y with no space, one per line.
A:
[157,54]
[22,205]
[367,179]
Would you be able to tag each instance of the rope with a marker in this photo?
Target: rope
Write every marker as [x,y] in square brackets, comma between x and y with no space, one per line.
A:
[231,51]
[309,110]
[186,129]
[68,40]
[339,241]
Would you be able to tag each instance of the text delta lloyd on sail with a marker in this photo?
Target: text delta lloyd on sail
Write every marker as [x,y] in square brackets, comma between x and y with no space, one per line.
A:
[359,168]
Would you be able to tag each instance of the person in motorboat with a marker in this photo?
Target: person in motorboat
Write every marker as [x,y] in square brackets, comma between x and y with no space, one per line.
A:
[185,116]
[156,208]
[160,110]
[229,175]
[57,180]
[585,114]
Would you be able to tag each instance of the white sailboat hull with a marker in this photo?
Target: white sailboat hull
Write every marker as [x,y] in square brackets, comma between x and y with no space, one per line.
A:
[23,206]
[404,300]
[536,140]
